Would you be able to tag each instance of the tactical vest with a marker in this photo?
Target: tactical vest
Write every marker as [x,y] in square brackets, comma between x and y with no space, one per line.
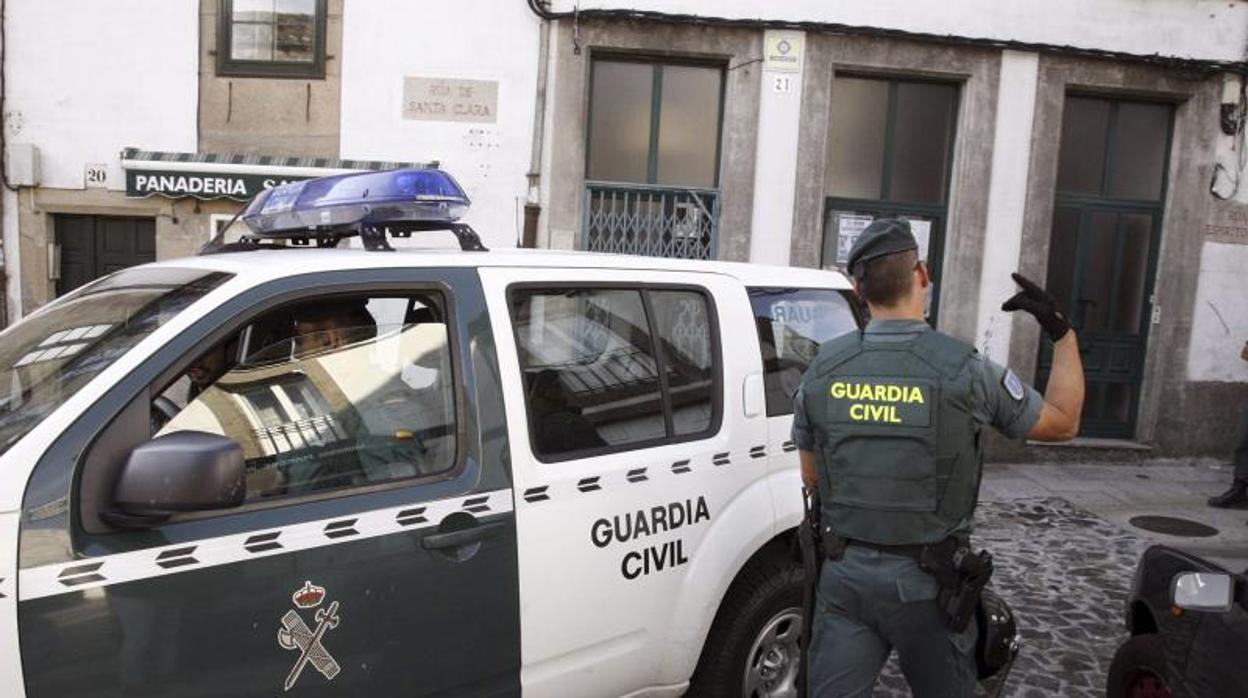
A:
[899,451]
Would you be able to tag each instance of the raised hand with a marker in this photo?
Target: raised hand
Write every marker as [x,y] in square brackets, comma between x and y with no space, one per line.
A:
[1041,304]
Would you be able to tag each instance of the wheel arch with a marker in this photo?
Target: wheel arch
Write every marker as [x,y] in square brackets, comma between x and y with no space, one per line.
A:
[1140,619]
[692,626]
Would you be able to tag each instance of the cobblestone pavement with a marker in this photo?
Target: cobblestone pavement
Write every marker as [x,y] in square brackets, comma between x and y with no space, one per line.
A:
[1066,574]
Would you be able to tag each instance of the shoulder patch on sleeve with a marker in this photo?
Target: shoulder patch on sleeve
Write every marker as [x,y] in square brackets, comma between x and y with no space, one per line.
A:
[1013,385]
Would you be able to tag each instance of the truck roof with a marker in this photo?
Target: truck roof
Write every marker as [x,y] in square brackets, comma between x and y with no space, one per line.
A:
[274,263]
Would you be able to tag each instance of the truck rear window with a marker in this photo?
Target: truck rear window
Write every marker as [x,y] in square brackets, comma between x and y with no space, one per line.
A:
[792,323]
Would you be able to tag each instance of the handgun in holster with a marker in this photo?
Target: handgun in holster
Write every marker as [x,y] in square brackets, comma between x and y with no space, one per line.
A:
[961,574]
[810,542]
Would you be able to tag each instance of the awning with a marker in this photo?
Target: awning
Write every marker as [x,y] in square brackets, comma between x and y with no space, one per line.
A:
[230,176]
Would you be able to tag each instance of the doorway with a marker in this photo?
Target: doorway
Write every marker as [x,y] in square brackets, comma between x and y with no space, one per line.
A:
[94,246]
[1103,248]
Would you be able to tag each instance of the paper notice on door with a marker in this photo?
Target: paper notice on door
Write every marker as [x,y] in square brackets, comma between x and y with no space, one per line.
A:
[849,227]
[922,234]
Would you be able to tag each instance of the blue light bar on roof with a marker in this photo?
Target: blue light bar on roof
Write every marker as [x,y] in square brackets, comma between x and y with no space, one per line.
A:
[356,200]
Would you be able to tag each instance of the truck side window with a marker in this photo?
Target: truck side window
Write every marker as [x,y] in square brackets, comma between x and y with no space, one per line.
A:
[342,391]
[594,375]
[792,323]
[681,320]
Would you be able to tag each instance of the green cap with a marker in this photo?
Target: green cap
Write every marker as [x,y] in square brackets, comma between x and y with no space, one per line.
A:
[884,236]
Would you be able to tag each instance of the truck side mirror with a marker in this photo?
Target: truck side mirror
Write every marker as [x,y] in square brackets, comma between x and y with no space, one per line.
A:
[1204,591]
[178,472]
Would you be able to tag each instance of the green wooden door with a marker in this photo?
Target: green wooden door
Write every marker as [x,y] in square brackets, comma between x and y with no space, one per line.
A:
[1103,249]
[1101,269]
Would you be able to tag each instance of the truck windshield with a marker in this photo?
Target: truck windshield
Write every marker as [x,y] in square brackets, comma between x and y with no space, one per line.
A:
[49,356]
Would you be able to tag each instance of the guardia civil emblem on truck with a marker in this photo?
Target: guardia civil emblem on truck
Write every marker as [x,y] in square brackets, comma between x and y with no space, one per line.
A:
[296,635]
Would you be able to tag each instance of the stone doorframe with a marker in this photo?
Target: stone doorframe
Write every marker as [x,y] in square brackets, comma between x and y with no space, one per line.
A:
[1195,98]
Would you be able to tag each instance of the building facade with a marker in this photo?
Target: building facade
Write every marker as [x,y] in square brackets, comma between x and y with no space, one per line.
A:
[1097,146]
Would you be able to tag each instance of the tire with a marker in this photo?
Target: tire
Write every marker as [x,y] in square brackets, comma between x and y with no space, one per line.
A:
[1139,669]
[755,633]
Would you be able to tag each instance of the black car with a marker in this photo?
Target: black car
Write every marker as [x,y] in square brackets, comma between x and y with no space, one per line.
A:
[1188,619]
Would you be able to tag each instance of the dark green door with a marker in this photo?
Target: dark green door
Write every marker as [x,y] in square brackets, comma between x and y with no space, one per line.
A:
[1103,249]
[93,246]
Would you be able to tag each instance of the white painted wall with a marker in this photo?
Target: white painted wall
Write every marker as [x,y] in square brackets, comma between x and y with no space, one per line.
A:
[775,164]
[386,40]
[1007,198]
[1219,322]
[1206,29]
[87,79]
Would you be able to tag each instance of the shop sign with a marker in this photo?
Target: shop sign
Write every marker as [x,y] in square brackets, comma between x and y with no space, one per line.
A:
[201,185]
[449,99]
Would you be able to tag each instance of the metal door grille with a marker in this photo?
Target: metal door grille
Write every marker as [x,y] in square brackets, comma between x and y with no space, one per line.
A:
[651,221]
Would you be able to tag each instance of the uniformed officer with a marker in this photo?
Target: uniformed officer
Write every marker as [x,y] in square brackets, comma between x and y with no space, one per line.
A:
[888,424]
[1237,496]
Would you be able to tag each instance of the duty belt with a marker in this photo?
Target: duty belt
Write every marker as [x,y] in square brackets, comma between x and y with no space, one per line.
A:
[911,551]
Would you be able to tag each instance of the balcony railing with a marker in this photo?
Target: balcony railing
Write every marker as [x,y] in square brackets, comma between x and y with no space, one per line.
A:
[651,220]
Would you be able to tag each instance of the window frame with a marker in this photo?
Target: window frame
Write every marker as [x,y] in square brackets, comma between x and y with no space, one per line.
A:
[890,129]
[656,63]
[886,206]
[644,289]
[1108,174]
[855,308]
[88,484]
[227,66]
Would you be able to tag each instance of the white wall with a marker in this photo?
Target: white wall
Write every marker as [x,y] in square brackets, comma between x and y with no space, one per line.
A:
[1206,29]
[89,78]
[1007,198]
[1219,321]
[386,40]
[775,159]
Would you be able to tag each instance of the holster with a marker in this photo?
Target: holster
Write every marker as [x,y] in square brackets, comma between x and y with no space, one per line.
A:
[961,574]
[810,542]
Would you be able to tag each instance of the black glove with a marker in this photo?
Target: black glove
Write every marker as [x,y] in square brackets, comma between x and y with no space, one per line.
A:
[1039,303]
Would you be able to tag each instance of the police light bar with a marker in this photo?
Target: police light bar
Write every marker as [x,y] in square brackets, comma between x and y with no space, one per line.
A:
[357,202]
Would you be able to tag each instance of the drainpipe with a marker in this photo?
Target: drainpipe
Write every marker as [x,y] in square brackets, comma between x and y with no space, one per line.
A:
[11,295]
[533,204]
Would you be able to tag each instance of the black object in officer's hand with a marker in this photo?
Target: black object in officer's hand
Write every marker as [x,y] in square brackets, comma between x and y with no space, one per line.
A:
[1039,303]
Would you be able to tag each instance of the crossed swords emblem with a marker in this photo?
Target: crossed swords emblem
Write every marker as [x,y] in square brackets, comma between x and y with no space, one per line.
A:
[295,634]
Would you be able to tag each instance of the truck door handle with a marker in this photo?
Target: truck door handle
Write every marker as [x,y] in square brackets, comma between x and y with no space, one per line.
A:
[460,538]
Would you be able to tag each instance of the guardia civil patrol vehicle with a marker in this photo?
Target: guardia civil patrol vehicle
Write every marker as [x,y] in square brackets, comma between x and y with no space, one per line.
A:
[294,466]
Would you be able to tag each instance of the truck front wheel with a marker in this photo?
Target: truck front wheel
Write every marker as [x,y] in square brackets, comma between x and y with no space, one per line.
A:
[753,648]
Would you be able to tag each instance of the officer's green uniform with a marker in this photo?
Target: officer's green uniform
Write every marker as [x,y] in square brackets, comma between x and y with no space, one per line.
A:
[894,416]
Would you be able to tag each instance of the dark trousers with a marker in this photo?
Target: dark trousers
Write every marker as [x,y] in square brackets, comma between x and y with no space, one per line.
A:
[1239,456]
[870,603]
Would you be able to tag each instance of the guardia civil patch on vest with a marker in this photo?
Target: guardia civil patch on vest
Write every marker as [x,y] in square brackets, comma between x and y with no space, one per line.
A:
[888,401]
[1013,385]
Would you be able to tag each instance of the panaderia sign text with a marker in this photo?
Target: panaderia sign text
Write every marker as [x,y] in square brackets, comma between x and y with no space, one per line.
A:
[201,185]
